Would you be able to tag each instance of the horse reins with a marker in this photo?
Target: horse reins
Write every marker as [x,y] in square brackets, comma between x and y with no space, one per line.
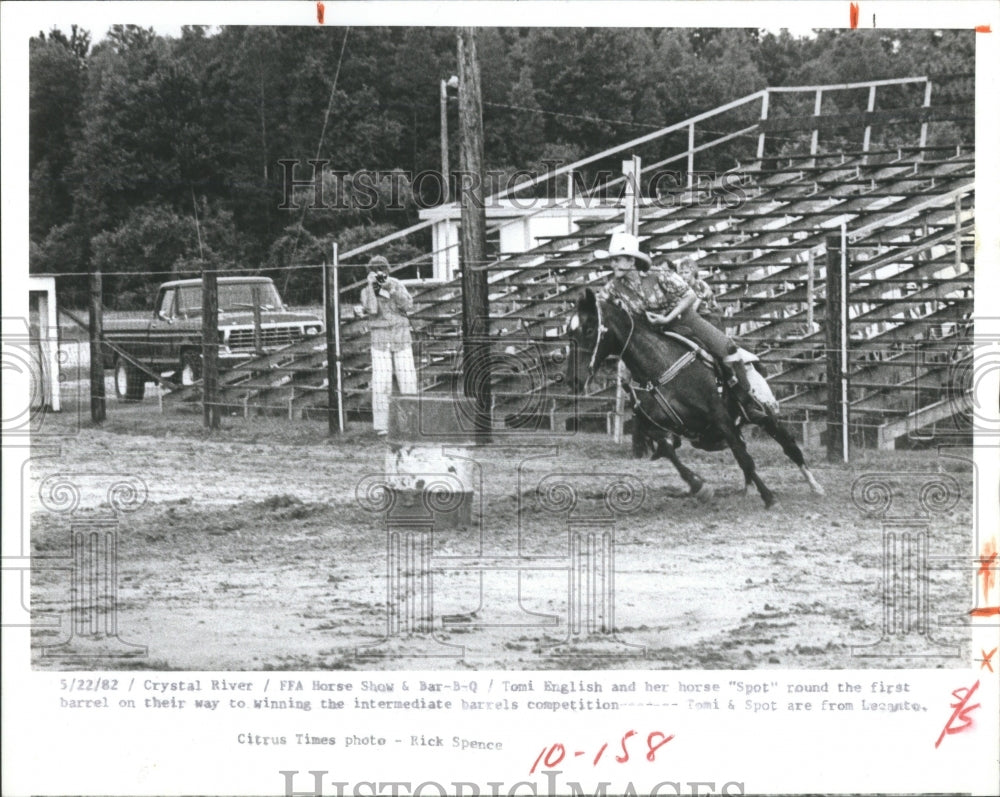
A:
[601,329]
[653,387]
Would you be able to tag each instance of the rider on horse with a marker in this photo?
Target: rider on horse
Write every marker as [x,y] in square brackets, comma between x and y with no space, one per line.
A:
[666,299]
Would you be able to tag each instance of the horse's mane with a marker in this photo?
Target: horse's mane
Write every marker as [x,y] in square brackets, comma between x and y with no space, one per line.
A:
[642,323]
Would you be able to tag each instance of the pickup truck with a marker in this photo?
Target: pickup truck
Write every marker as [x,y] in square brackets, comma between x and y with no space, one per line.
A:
[252,321]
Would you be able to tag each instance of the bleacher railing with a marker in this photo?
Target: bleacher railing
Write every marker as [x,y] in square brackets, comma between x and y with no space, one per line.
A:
[764,125]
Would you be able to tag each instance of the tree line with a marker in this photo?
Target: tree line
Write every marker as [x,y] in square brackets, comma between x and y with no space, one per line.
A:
[152,156]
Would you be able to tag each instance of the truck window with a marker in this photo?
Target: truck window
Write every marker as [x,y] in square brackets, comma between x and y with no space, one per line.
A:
[166,308]
[189,300]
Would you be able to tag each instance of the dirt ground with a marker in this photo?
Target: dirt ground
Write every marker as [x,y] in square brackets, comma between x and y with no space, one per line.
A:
[254,548]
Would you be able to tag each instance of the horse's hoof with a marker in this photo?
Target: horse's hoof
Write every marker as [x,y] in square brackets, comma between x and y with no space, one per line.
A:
[704,493]
[817,490]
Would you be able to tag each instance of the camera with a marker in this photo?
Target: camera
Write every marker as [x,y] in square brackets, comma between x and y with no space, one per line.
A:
[381,277]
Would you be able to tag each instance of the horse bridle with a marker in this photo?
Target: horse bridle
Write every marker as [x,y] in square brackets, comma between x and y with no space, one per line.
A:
[601,329]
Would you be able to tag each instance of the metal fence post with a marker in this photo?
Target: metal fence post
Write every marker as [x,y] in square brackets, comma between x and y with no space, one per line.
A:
[811,293]
[98,409]
[632,170]
[868,128]
[814,144]
[334,386]
[690,155]
[211,412]
[763,118]
[923,127]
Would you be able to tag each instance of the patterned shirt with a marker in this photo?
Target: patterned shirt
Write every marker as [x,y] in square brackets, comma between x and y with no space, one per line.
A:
[659,290]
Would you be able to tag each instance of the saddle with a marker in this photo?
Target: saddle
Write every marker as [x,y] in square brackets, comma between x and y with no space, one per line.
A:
[759,402]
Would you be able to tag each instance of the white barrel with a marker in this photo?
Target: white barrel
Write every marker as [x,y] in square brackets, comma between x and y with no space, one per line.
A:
[427,463]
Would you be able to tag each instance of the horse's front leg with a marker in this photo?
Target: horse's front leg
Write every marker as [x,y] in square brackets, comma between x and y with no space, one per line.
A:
[739,448]
[704,492]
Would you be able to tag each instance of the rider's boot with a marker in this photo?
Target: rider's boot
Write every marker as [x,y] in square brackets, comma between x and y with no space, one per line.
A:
[738,368]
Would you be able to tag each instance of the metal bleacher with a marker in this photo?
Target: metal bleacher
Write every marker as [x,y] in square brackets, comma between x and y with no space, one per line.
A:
[760,230]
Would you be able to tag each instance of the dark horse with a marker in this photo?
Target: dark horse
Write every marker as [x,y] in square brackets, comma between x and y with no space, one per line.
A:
[676,391]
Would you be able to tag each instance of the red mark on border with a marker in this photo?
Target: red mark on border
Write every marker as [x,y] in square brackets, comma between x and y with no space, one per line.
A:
[961,712]
[987,569]
[986,563]
[983,29]
[986,659]
[855,13]
[320,9]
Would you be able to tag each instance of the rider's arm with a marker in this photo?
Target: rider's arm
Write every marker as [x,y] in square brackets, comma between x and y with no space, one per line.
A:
[679,292]
[687,301]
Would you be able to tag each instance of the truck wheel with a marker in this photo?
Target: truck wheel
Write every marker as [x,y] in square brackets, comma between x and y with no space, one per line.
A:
[190,367]
[130,382]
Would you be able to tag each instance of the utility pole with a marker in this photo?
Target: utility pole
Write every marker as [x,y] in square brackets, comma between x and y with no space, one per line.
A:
[445,175]
[475,288]
[450,83]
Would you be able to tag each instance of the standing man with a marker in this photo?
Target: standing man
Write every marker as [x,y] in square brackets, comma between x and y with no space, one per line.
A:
[388,303]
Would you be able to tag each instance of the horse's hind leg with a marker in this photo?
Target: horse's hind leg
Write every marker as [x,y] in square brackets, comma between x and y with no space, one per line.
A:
[739,448]
[664,448]
[784,438]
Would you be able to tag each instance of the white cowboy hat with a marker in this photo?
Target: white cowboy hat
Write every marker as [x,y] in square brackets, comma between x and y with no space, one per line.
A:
[623,244]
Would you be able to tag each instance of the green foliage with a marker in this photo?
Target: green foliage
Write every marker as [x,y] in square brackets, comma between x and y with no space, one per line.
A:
[155,243]
[58,78]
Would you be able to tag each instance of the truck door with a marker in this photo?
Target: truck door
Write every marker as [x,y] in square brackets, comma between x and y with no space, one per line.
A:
[162,338]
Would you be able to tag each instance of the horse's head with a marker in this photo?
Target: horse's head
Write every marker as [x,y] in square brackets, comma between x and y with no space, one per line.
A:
[591,341]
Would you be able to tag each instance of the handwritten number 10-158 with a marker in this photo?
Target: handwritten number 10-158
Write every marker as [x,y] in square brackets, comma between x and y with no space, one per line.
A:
[552,756]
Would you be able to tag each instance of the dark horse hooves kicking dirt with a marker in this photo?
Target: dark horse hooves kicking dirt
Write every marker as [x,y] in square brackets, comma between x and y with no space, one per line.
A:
[676,392]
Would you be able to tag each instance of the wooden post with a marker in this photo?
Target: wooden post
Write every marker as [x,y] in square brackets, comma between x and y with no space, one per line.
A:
[836,352]
[475,287]
[334,392]
[211,412]
[98,409]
